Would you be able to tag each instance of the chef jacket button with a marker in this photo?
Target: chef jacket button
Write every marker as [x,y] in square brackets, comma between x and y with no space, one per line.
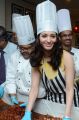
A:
[18,87]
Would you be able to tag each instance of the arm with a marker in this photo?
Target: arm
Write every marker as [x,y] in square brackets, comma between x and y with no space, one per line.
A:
[33,93]
[10,84]
[69,74]
[34,88]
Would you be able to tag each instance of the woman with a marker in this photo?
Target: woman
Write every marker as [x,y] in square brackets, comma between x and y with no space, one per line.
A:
[52,64]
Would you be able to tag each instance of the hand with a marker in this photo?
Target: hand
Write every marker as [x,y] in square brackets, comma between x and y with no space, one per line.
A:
[66,118]
[1,91]
[27,116]
[23,105]
[14,100]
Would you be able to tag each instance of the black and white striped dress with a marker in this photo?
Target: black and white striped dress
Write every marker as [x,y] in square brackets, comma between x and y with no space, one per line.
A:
[56,86]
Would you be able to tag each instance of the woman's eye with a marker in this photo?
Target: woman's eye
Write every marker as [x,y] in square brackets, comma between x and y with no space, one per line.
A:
[44,36]
[53,36]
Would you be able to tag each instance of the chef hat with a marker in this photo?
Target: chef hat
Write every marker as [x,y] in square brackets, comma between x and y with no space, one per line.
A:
[24,30]
[13,25]
[46,17]
[63,20]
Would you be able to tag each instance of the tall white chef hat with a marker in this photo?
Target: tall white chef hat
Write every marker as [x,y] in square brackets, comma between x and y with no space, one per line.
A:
[13,25]
[63,20]
[46,17]
[24,30]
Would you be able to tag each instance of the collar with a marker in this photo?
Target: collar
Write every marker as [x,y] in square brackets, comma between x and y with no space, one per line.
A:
[71,53]
[5,49]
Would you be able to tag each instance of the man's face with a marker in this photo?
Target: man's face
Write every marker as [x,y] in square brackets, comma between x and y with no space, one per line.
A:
[26,50]
[2,43]
[14,37]
[66,38]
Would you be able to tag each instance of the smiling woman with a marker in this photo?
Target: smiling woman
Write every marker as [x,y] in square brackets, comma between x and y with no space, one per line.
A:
[54,65]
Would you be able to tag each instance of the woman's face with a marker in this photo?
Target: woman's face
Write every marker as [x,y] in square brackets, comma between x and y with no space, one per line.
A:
[47,40]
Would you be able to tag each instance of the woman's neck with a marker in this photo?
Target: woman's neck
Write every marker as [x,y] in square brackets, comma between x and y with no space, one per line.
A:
[47,55]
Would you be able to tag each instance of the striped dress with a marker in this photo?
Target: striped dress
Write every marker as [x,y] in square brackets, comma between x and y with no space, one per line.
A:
[55,85]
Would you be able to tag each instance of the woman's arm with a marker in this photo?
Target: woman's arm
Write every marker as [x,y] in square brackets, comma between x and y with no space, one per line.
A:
[69,74]
[34,88]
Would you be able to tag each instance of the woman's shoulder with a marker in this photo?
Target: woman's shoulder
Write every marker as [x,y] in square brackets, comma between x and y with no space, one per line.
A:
[67,57]
[66,53]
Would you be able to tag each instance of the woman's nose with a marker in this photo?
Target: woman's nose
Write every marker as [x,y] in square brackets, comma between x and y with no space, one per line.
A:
[48,39]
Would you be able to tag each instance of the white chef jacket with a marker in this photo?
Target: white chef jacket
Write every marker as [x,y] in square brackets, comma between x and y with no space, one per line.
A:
[8,51]
[18,77]
[75,52]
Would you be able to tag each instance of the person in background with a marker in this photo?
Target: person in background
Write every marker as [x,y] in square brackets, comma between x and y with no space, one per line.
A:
[18,77]
[6,49]
[51,63]
[66,37]
[12,37]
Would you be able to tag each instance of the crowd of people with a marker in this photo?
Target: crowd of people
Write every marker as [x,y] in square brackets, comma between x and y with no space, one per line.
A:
[40,73]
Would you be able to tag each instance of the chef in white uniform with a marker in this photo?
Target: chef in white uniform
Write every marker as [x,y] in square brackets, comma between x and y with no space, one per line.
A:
[66,37]
[18,80]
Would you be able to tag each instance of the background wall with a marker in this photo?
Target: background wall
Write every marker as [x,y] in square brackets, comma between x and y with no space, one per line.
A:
[2,13]
[9,10]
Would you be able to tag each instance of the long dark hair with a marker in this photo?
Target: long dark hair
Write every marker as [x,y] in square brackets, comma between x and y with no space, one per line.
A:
[38,54]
